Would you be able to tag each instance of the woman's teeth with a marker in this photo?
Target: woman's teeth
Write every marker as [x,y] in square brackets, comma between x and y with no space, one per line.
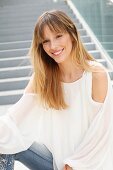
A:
[58,52]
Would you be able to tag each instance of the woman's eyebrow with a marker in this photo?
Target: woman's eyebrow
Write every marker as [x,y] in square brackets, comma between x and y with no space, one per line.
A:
[45,39]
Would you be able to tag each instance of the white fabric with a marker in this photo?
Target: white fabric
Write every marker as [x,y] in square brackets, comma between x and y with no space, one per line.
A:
[80,136]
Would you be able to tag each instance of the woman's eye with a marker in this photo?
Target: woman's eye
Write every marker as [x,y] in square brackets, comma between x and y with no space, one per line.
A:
[58,36]
[45,41]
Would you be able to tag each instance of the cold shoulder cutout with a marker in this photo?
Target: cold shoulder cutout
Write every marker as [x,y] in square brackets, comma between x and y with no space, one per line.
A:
[89,89]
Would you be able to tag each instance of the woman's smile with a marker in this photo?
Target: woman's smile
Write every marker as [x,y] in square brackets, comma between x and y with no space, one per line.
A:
[57,52]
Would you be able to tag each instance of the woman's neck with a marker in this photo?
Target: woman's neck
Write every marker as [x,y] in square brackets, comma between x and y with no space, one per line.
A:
[70,72]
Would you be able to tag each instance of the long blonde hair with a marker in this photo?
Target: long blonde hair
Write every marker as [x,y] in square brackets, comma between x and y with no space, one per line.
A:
[46,71]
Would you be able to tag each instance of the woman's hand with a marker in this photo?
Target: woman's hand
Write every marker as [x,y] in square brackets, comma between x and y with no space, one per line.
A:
[67,167]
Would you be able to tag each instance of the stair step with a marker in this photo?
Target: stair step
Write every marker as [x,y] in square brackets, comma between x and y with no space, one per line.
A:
[15,45]
[79,25]
[104,62]
[14,58]
[10,97]
[29,6]
[12,62]
[13,83]
[26,14]
[90,46]
[14,52]
[85,38]
[82,32]
[13,72]
[21,37]
[12,3]
[13,31]
[95,53]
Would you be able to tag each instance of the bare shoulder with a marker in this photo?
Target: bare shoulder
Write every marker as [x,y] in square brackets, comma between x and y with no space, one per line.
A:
[99,84]
[29,87]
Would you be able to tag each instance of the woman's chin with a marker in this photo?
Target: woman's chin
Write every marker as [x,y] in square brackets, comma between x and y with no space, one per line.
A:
[59,60]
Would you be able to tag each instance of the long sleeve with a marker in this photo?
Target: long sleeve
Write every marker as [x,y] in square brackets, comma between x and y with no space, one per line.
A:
[95,145]
[14,137]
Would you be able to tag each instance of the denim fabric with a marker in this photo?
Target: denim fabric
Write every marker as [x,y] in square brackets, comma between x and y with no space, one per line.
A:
[37,157]
[6,162]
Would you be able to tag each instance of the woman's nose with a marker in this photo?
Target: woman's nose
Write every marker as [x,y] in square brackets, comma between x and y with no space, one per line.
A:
[53,45]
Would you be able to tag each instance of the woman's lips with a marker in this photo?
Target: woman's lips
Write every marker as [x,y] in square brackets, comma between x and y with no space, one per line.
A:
[56,53]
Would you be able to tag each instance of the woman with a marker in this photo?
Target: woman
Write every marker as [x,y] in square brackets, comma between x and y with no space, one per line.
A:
[66,108]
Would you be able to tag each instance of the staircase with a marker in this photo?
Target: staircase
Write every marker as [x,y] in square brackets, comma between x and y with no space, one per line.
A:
[17,20]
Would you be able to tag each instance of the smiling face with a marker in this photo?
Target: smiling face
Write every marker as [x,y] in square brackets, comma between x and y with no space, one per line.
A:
[58,45]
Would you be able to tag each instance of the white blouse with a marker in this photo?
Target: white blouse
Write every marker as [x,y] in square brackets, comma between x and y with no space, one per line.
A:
[80,136]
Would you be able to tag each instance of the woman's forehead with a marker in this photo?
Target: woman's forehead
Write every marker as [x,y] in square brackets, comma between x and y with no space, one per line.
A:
[50,30]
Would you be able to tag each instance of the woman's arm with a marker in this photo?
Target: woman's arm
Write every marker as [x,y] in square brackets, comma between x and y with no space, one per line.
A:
[14,122]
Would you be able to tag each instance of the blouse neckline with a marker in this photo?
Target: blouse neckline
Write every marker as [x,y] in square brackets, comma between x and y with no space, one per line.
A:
[76,81]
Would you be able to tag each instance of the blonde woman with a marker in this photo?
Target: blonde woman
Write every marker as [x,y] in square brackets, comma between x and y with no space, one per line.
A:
[64,119]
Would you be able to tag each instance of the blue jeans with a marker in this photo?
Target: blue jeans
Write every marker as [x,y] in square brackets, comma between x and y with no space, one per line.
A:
[37,157]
